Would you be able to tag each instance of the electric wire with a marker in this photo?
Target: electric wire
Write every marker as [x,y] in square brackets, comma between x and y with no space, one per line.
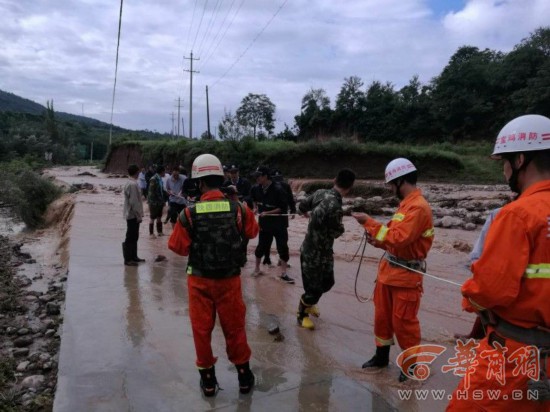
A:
[116,72]
[251,43]
[209,26]
[191,25]
[212,49]
[200,24]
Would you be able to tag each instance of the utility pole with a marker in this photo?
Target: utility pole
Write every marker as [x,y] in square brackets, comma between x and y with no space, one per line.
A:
[179,105]
[172,124]
[190,92]
[208,114]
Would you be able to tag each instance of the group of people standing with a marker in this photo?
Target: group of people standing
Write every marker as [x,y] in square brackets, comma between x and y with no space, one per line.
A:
[508,290]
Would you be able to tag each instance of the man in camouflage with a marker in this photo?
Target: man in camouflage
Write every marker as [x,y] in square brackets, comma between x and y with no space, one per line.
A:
[156,199]
[316,258]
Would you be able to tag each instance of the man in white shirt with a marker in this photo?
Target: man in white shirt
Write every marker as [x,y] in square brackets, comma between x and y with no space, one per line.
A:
[176,201]
[133,213]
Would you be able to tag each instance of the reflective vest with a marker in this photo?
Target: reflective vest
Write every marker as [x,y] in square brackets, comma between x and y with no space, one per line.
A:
[217,246]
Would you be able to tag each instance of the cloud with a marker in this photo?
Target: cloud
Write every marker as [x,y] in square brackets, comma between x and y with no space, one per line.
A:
[66,50]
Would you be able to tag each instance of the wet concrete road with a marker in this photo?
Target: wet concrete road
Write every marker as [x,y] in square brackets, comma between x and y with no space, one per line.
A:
[127,342]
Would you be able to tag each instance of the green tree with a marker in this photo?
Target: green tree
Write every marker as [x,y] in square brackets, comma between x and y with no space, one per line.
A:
[464,94]
[287,134]
[524,78]
[314,120]
[51,124]
[378,122]
[257,112]
[229,128]
[350,106]
[413,115]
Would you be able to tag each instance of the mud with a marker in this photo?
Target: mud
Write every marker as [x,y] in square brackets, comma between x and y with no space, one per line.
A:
[127,345]
[31,316]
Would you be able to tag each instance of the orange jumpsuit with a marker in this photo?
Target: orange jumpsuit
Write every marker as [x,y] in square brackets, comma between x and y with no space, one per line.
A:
[208,296]
[408,236]
[512,279]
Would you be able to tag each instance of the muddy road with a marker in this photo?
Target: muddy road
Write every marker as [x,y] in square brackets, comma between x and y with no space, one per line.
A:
[127,345]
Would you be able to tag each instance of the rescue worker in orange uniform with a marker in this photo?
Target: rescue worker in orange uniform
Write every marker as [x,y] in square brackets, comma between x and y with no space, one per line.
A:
[406,239]
[211,232]
[510,286]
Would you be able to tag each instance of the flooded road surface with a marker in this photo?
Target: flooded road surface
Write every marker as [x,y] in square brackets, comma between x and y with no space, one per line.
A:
[127,343]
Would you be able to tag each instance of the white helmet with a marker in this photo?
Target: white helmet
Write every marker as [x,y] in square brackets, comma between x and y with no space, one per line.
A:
[206,165]
[397,168]
[523,134]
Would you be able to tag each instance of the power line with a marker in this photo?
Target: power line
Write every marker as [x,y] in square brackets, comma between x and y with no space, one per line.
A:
[116,71]
[212,49]
[191,25]
[209,26]
[200,24]
[251,43]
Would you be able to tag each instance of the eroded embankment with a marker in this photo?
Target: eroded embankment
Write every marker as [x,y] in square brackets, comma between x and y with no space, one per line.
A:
[322,160]
[33,271]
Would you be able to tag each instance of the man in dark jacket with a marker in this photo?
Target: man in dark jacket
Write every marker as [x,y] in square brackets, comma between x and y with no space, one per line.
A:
[277,177]
[271,202]
[243,185]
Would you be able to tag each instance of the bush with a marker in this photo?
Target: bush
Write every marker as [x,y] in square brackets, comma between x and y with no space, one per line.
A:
[467,162]
[26,193]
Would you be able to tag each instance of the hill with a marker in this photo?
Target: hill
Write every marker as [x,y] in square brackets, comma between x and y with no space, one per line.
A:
[12,103]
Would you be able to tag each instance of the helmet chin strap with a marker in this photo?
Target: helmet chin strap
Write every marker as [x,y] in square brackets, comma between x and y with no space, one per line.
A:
[398,184]
[513,182]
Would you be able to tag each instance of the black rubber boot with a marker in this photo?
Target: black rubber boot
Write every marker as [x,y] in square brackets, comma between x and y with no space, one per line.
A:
[159,228]
[209,383]
[380,359]
[126,254]
[135,257]
[151,228]
[246,378]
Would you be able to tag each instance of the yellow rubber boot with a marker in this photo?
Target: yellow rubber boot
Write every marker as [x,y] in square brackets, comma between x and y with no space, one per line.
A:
[313,310]
[306,323]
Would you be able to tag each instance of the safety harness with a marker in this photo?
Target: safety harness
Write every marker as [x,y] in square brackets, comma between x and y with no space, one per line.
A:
[538,336]
[415,265]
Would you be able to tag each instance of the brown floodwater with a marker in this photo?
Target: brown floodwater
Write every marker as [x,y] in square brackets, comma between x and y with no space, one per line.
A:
[127,343]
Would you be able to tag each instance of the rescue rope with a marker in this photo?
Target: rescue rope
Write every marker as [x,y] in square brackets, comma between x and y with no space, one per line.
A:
[364,243]
[358,249]
[280,214]
[426,274]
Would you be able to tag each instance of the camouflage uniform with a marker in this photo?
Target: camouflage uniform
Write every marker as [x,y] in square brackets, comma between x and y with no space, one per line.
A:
[316,257]
[155,197]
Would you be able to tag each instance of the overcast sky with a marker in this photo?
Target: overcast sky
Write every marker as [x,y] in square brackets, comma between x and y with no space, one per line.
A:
[65,50]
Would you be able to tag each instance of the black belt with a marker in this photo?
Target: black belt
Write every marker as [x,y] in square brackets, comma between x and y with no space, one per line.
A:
[528,336]
[419,265]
